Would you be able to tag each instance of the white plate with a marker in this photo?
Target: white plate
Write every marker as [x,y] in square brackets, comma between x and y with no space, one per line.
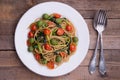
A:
[36,12]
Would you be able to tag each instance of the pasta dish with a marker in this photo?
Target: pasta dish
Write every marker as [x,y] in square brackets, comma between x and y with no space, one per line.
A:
[52,39]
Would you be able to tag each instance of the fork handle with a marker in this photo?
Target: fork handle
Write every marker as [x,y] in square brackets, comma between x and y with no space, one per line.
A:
[102,67]
[92,66]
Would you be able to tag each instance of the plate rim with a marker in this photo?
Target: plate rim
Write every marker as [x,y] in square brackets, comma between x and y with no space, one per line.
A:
[38,5]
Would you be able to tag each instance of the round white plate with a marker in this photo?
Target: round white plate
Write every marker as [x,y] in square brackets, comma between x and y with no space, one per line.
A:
[22,30]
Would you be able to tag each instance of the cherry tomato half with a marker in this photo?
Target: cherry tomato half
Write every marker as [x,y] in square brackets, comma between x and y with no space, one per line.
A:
[30,34]
[28,43]
[56,15]
[50,65]
[60,32]
[33,27]
[72,47]
[47,46]
[46,31]
[37,56]
[69,28]
[62,54]
[50,23]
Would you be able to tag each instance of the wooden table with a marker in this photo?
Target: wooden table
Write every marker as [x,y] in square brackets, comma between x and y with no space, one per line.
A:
[11,68]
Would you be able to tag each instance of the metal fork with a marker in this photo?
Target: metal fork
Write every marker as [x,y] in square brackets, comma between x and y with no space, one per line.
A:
[100,22]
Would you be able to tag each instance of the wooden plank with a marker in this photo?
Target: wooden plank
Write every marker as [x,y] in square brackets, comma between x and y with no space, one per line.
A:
[89,5]
[111,34]
[109,42]
[113,28]
[15,9]
[7,42]
[8,17]
[81,73]
[88,14]
[11,68]
[12,10]
[10,58]
[7,28]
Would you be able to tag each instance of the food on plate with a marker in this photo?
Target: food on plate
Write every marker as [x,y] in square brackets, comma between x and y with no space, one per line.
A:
[52,39]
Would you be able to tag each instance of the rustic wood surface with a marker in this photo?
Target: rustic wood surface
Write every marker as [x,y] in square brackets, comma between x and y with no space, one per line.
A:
[11,68]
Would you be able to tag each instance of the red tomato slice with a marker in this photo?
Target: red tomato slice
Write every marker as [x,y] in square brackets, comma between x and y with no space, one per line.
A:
[69,28]
[72,47]
[50,23]
[47,46]
[28,43]
[30,34]
[62,54]
[33,27]
[37,56]
[56,15]
[46,31]
[60,32]
[50,65]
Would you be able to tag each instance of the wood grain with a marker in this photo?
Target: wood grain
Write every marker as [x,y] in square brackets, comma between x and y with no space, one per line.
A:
[81,73]
[89,5]
[110,42]
[11,68]
[10,58]
[11,10]
[7,42]
[111,35]
[88,8]
[15,9]
[8,28]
